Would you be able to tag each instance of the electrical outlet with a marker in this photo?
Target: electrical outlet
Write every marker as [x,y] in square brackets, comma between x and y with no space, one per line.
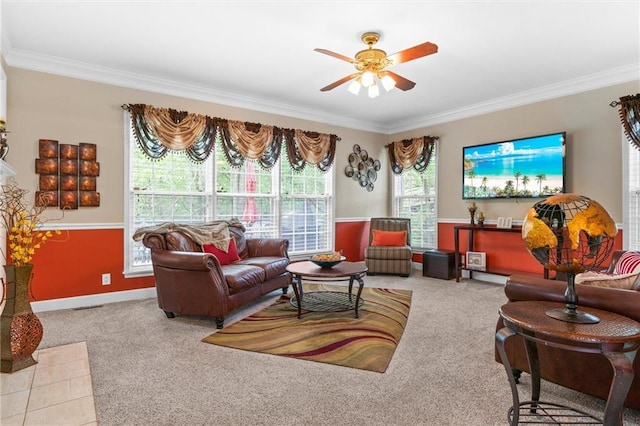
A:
[106,279]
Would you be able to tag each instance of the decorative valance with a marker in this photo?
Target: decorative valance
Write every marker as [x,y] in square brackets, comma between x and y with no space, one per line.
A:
[159,130]
[409,153]
[630,117]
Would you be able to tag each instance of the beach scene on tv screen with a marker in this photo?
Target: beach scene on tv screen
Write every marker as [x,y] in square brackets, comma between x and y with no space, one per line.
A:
[530,167]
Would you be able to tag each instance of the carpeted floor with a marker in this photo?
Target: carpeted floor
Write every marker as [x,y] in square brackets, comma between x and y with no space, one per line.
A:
[148,369]
[367,342]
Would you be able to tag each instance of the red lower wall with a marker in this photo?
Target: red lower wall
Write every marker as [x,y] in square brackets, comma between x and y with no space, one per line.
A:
[352,238]
[503,250]
[74,266]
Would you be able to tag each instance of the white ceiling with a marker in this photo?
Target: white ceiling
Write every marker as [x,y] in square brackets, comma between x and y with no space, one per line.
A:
[259,54]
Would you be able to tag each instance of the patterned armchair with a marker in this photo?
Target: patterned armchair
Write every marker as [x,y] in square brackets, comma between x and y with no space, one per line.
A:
[389,251]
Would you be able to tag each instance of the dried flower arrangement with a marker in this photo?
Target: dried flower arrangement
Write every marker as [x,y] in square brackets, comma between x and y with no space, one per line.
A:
[22,221]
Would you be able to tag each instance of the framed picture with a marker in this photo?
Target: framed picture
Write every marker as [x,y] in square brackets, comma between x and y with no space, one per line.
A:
[69,152]
[477,260]
[87,183]
[46,198]
[89,199]
[68,183]
[48,183]
[68,167]
[47,166]
[88,151]
[89,168]
[69,200]
[504,222]
[48,148]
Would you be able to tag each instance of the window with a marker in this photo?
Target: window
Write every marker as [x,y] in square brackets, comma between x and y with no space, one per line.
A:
[307,209]
[631,195]
[414,196]
[270,203]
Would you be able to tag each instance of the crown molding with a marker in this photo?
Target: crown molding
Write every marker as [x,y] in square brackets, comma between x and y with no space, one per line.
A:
[607,78]
[83,71]
[80,70]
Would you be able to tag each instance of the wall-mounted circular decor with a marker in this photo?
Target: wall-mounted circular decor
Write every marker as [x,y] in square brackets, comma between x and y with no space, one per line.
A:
[362,168]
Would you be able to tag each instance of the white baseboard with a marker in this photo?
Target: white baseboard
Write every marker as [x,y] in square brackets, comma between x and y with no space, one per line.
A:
[485,276]
[92,300]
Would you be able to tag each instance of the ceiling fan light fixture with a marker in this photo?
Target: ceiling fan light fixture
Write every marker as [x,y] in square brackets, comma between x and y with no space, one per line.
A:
[354,87]
[367,79]
[374,92]
[387,82]
[371,64]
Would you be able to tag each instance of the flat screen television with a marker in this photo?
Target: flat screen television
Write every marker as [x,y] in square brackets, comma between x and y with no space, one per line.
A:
[532,167]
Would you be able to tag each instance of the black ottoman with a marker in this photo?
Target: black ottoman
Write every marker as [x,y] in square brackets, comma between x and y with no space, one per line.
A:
[438,264]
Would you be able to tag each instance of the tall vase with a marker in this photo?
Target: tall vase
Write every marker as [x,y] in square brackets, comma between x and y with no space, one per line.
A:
[20,328]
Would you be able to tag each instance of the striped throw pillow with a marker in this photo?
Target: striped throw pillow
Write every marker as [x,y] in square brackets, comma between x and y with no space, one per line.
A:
[629,263]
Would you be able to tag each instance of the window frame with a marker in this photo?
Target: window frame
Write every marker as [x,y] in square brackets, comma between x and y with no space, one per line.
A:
[630,195]
[397,198]
[211,203]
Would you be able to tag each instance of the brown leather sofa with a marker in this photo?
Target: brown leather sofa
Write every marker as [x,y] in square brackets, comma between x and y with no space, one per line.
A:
[584,372]
[190,282]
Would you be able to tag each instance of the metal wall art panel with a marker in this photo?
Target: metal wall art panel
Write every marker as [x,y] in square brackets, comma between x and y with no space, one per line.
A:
[68,174]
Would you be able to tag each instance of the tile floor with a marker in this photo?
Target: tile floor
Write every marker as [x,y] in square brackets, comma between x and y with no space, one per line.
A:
[55,391]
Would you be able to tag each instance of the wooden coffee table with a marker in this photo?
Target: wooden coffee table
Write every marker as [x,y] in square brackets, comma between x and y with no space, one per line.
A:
[327,300]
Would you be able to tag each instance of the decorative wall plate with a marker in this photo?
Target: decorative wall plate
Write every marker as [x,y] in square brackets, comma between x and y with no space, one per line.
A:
[362,168]
[348,171]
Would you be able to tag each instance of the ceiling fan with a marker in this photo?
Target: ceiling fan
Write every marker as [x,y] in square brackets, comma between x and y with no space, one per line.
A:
[372,63]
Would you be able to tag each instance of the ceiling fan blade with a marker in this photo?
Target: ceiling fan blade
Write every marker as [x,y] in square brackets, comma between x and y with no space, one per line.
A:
[339,82]
[414,52]
[401,82]
[335,55]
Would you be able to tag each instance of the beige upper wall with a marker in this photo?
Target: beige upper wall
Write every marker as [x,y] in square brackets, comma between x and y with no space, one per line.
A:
[593,154]
[46,106]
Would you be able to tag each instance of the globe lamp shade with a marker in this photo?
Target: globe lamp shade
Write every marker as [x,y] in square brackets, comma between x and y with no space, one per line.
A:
[570,234]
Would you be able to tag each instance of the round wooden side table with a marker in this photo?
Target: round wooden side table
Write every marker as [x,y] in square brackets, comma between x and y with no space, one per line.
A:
[613,337]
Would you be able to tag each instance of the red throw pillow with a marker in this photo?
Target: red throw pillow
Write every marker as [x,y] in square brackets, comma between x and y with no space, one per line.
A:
[230,256]
[389,238]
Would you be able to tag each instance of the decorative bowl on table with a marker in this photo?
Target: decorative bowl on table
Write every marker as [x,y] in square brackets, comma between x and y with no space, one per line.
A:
[327,260]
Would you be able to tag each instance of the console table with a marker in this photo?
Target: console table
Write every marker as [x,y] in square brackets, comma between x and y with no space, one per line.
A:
[612,337]
[471,230]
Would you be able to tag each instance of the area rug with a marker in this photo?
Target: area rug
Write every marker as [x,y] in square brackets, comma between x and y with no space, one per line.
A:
[367,342]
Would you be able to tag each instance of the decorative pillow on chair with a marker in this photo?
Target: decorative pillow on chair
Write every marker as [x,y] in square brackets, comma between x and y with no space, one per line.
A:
[629,263]
[389,238]
[600,279]
[225,258]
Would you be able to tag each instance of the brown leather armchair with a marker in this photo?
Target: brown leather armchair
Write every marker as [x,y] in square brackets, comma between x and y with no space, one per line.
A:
[190,282]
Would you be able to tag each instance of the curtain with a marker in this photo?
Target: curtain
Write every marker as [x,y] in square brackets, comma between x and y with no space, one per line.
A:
[630,117]
[160,130]
[409,153]
[312,148]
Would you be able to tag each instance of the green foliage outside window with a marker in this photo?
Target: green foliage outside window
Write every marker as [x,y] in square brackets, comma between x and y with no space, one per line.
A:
[415,197]
[270,203]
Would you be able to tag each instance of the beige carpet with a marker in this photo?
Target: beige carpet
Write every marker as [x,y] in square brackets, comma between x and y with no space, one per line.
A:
[148,369]
[367,342]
